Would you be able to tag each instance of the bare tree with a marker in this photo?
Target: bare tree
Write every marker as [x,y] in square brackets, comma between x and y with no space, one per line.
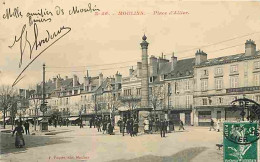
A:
[115,103]
[132,102]
[7,99]
[156,97]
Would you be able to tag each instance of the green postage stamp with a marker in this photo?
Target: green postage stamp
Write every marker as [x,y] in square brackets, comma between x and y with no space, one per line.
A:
[240,141]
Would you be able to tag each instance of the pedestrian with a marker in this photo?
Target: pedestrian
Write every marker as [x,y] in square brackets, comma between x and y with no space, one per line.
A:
[211,124]
[135,128]
[94,122]
[110,128]
[80,123]
[146,125]
[55,123]
[67,122]
[19,140]
[26,127]
[90,123]
[157,123]
[107,121]
[151,125]
[119,123]
[104,125]
[123,125]
[128,126]
[172,125]
[162,128]
[98,124]
[131,125]
[181,125]
[218,129]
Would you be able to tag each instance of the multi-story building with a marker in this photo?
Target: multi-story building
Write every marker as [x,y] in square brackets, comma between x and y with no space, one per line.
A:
[158,69]
[221,80]
[71,99]
[180,83]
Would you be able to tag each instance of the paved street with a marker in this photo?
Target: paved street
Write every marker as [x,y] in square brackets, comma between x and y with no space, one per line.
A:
[73,144]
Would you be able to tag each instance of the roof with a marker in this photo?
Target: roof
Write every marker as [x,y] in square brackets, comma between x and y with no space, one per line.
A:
[228,59]
[165,68]
[183,68]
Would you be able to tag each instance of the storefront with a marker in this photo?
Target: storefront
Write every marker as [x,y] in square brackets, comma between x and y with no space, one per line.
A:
[180,114]
[203,115]
[204,118]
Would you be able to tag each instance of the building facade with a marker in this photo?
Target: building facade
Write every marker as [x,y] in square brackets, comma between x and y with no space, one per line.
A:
[221,80]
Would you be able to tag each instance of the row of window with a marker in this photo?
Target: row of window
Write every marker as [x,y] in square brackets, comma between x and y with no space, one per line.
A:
[233,69]
[234,82]
[220,100]
[128,92]
[208,101]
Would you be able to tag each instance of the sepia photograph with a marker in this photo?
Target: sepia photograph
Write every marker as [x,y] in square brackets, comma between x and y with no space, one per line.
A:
[129,81]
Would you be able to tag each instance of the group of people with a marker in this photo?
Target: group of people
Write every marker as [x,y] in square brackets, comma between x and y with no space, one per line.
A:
[103,124]
[129,126]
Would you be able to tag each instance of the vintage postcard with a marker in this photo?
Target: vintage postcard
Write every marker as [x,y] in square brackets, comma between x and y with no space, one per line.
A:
[132,80]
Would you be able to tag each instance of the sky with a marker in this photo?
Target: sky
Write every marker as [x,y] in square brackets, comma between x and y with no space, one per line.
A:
[111,43]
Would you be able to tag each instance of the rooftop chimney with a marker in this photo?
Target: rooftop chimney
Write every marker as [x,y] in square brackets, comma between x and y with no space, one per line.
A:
[173,61]
[118,81]
[57,82]
[200,57]
[250,48]
[54,79]
[162,61]
[153,66]
[75,80]
[131,70]
[100,79]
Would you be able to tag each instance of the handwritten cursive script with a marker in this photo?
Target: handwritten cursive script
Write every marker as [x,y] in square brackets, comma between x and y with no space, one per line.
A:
[22,39]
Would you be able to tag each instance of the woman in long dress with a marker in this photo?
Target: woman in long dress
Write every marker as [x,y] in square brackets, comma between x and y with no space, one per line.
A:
[19,140]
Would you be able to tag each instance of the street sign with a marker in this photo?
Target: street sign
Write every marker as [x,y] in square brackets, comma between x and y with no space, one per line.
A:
[240,141]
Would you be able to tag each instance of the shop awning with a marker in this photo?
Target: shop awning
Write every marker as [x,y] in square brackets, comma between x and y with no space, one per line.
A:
[123,108]
[7,118]
[73,118]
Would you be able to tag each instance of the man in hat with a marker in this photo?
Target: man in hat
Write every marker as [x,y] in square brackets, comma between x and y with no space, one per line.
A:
[163,127]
